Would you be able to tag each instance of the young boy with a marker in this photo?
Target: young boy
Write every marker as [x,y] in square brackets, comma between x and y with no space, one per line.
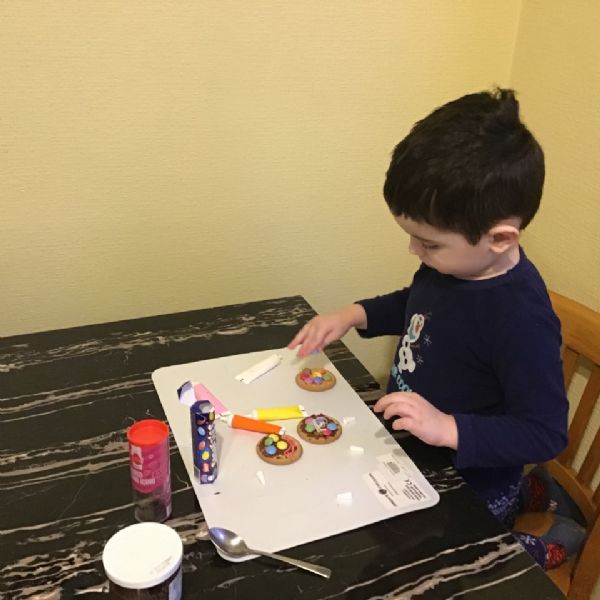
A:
[478,366]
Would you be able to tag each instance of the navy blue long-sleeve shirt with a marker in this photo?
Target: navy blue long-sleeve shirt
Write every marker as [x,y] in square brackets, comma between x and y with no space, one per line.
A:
[488,353]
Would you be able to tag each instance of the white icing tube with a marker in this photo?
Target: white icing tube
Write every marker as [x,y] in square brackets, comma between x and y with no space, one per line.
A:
[255,371]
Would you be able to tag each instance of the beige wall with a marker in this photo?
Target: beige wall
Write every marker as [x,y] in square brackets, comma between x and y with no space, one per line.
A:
[159,157]
[556,69]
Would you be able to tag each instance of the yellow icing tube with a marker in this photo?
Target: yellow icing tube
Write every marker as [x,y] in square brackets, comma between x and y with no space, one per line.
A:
[278,413]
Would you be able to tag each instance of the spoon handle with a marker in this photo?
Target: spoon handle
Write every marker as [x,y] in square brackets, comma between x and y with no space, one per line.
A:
[318,570]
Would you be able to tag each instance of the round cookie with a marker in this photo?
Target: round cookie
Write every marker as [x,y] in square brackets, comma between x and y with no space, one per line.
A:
[315,380]
[279,449]
[319,429]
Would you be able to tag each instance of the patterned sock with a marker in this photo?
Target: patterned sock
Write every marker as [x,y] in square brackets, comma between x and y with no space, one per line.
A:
[566,533]
[540,492]
[564,539]
[556,555]
[535,546]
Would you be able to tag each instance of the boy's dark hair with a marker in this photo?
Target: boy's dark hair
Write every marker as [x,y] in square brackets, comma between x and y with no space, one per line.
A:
[466,166]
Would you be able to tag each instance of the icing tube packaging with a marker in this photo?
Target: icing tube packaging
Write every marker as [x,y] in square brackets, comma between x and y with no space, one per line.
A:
[241,422]
[191,392]
[279,413]
[203,393]
[255,371]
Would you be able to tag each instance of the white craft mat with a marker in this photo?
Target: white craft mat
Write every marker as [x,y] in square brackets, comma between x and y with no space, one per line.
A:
[298,503]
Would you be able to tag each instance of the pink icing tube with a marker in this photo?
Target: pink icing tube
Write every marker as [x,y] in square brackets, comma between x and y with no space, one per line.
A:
[203,393]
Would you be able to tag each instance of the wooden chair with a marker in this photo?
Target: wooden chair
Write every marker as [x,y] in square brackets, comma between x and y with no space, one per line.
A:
[581,340]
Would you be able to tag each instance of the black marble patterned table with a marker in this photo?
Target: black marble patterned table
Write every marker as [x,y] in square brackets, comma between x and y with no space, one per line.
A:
[66,399]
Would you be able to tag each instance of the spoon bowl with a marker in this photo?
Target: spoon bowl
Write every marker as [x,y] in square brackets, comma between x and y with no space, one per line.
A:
[228,542]
[232,545]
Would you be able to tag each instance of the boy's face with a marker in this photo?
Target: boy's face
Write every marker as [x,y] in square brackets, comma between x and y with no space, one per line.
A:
[450,253]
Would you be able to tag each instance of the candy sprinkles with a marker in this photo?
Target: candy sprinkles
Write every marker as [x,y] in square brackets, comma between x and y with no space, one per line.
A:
[204,441]
[319,429]
[279,449]
[315,380]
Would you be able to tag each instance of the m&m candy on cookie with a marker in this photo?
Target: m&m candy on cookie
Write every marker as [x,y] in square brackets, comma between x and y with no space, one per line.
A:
[315,380]
[319,429]
[279,449]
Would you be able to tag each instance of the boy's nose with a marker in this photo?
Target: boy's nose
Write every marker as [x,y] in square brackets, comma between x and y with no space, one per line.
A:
[413,247]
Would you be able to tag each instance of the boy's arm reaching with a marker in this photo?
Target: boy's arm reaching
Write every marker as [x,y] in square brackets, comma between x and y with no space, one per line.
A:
[323,329]
[382,315]
[385,314]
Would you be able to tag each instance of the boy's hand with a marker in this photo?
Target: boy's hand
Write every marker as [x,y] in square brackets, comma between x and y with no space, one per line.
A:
[324,329]
[419,417]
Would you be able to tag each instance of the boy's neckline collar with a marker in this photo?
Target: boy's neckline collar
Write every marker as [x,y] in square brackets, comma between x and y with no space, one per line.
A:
[489,281]
[514,259]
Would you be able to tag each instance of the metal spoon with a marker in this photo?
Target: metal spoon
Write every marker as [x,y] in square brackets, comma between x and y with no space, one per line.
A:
[232,544]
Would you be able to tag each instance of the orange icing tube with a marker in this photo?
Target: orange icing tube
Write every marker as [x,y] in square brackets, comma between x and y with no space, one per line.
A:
[278,413]
[241,422]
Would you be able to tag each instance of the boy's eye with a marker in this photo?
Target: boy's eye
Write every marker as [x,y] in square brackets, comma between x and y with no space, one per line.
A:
[430,246]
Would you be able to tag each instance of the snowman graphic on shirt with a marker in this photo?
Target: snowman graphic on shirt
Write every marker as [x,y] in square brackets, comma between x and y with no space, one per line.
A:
[406,361]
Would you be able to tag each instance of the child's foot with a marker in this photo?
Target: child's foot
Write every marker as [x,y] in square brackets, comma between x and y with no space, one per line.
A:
[540,492]
[563,540]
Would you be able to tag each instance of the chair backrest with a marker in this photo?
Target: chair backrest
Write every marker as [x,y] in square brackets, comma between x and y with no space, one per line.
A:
[580,328]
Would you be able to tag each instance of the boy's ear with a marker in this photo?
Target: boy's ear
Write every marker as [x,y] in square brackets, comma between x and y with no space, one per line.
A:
[503,237]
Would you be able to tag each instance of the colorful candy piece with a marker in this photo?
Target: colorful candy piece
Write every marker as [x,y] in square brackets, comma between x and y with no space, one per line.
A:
[315,380]
[319,429]
[279,450]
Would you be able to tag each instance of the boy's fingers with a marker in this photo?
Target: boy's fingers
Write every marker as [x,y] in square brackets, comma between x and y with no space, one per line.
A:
[307,347]
[304,351]
[314,341]
[312,338]
[386,400]
[399,409]
[401,424]
[298,339]
[294,342]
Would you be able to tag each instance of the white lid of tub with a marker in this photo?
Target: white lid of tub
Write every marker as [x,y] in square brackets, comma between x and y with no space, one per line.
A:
[142,555]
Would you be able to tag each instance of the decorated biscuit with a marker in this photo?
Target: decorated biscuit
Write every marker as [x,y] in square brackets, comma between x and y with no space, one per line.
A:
[319,429]
[315,380]
[279,449]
